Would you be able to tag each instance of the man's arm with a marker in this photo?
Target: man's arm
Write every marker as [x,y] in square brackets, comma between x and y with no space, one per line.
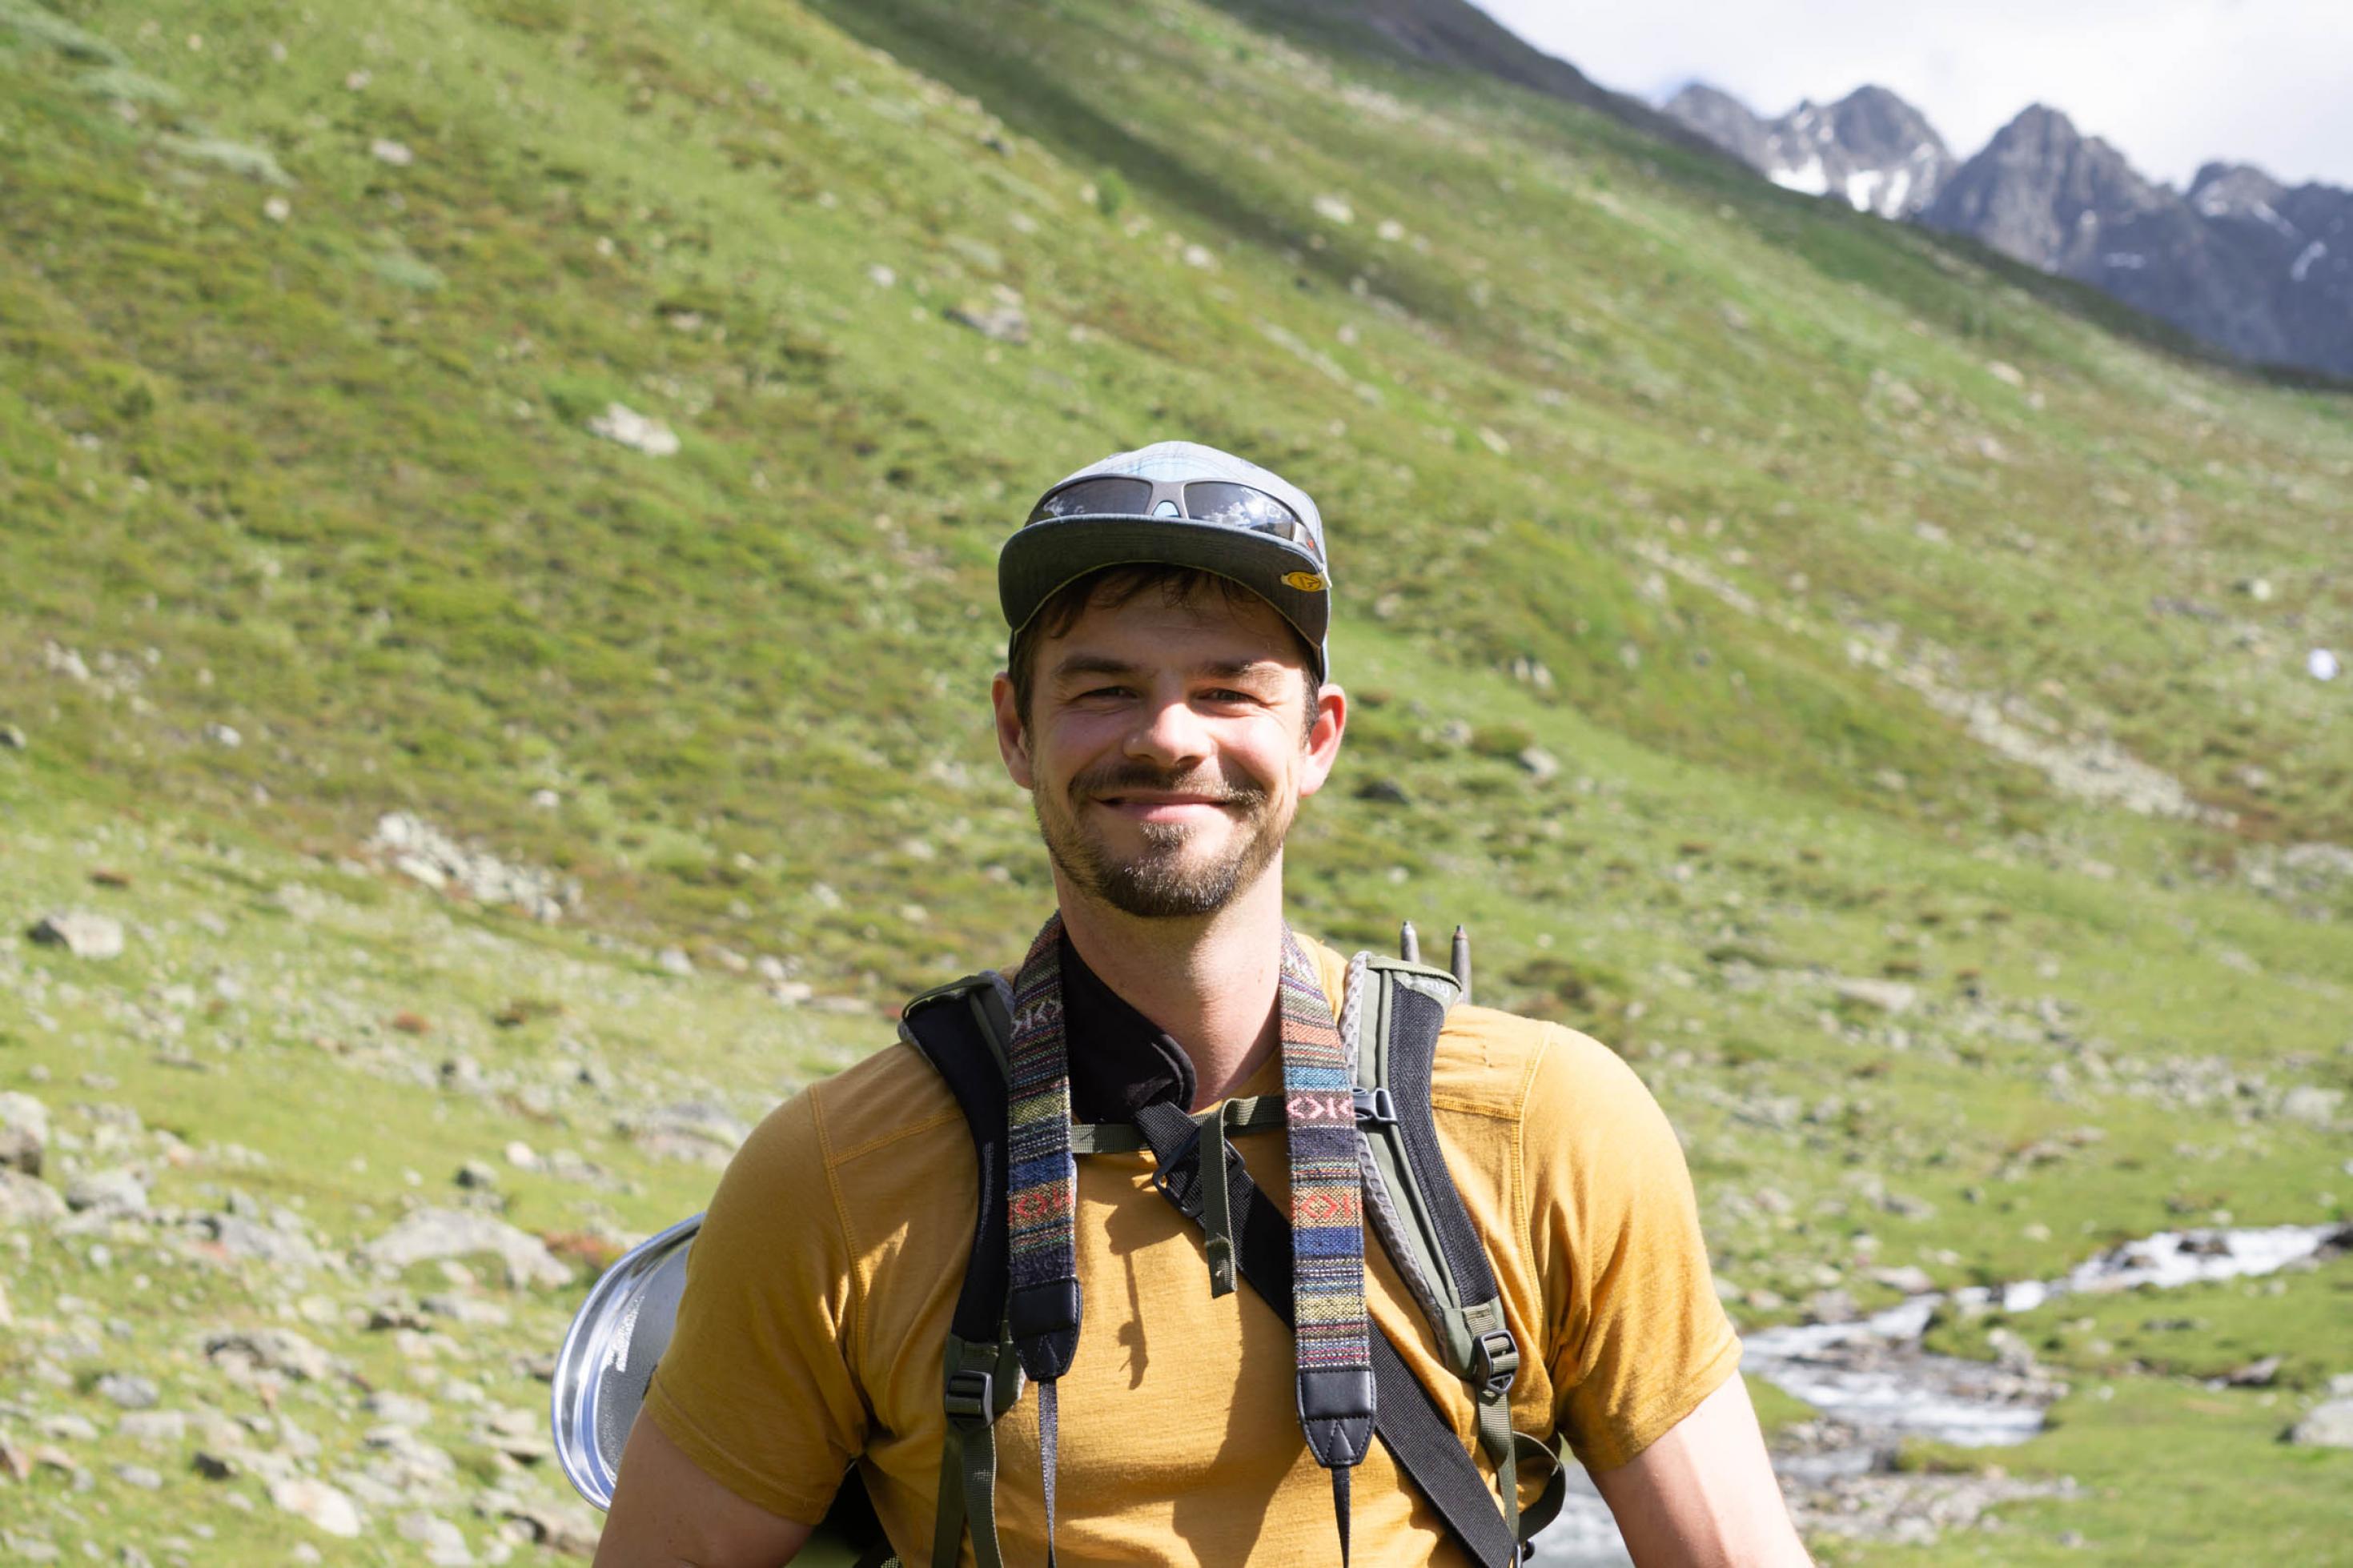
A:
[1704,1496]
[668,1514]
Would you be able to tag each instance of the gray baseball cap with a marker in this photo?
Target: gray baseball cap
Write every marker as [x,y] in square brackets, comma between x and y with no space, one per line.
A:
[1181,504]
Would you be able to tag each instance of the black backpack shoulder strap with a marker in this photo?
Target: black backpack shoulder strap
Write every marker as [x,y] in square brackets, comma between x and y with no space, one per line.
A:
[961,1029]
[1433,1236]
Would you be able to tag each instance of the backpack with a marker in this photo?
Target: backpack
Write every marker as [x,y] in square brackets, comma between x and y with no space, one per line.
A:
[1397,1006]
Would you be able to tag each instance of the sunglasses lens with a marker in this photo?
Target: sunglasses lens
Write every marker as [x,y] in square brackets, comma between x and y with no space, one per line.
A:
[1238,506]
[1094,497]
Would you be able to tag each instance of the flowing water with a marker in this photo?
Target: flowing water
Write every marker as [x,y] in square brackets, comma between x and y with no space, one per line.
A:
[1875,1386]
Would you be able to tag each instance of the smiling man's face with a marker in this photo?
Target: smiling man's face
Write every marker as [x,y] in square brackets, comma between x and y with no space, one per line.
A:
[1167,747]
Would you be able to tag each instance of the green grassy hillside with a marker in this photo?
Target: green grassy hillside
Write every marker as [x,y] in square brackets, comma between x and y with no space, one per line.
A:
[1741,598]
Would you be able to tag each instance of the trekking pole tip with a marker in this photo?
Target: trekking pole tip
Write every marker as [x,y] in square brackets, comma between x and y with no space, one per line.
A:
[1461,961]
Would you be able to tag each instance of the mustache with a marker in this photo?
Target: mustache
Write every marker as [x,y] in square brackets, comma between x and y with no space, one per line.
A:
[1126,775]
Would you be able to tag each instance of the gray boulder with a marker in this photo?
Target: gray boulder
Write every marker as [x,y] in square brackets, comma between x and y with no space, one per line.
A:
[2329,1424]
[24,1201]
[24,1132]
[435,1233]
[80,933]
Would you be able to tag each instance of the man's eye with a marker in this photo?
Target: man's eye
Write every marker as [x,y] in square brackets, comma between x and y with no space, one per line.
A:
[1099,694]
[1230,696]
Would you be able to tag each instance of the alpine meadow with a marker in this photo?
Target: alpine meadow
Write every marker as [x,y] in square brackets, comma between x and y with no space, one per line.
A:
[500,502]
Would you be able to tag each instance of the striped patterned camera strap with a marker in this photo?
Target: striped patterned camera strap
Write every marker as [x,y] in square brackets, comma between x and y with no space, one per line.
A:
[1327,1234]
[1042,1303]
[1327,1230]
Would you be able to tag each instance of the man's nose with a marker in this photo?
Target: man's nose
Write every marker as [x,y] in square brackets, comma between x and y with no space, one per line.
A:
[1170,735]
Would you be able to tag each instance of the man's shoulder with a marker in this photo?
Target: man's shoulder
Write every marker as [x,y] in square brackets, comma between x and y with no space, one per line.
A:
[889,1100]
[1502,1065]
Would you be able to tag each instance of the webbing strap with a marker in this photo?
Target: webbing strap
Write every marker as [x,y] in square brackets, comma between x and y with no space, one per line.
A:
[1243,1113]
[1495,1436]
[1049,1440]
[1218,1210]
[1407,1421]
[983,1382]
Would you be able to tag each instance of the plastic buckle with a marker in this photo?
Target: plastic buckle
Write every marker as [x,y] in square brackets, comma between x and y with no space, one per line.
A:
[1375,1106]
[1188,1151]
[1496,1360]
[972,1397]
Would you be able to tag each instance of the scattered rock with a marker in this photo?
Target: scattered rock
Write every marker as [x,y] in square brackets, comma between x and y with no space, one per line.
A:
[444,1545]
[234,1237]
[432,1233]
[559,1528]
[269,1350]
[625,427]
[128,1391]
[477,1176]
[1889,996]
[1384,792]
[215,1466]
[11,739]
[139,1476]
[1540,764]
[24,1132]
[690,1131]
[154,1428]
[81,933]
[2312,1104]
[25,1201]
[469,1310]
[999,318]
[674,961]
[397,1409]
[224,736]
[385,150]
[116,1191]
[322,1505]
[423,853]
[2329,1424]
[1832,1306]
[2259,1374]
[1910,1279]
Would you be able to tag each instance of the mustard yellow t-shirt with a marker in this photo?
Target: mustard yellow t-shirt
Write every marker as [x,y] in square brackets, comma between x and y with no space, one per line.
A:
[819,1292]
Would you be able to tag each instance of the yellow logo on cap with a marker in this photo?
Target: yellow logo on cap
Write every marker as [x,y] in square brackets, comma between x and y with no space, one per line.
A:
[1305,582]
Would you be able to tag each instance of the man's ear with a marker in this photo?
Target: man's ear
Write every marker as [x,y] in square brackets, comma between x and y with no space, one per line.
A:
[1323,738]
[1012,735]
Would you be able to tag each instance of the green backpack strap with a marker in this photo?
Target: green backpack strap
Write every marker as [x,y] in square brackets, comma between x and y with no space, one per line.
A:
[1399,1008]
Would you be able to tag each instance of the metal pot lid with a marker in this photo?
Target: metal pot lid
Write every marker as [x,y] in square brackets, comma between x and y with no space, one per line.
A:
[609,1356]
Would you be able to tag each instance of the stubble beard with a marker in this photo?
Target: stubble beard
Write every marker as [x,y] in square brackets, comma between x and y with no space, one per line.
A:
[1162,881]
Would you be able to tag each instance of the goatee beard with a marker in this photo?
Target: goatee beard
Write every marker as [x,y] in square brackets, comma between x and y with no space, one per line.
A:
[1159,883]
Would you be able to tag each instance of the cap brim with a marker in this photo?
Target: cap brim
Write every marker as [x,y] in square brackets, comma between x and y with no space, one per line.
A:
[1045,556]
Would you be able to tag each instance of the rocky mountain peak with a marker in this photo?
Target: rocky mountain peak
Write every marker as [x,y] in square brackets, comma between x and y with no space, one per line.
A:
[2255,267]
[2237,191]
[1870,147]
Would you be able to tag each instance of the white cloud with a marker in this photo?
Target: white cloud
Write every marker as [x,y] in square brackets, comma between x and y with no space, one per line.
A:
[2172,83]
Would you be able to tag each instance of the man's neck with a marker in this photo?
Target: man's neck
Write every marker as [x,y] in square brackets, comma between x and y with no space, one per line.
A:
[1212,983]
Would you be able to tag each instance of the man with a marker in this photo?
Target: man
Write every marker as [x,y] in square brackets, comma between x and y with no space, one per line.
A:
[1166,703]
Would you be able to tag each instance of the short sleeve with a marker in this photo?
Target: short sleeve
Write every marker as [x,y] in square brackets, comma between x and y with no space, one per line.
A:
[1638,1338]
[755,1386]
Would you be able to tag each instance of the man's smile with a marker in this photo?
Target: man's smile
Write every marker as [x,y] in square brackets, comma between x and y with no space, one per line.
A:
[1145,805]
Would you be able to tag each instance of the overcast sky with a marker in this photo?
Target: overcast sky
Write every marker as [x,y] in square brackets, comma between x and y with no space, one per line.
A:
[2172,83]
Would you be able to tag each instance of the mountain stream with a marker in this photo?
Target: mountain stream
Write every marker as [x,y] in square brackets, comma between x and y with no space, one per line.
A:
[1875,1386]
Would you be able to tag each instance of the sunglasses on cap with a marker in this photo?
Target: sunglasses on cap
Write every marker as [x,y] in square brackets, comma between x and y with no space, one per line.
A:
[1202,500]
